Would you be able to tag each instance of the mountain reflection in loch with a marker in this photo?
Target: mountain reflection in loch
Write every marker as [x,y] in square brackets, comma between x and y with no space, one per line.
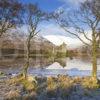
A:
[63,66]
[73,67]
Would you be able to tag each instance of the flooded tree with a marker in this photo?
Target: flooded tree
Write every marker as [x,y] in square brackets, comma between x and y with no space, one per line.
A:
[10,14]
[83,23]
[33,17]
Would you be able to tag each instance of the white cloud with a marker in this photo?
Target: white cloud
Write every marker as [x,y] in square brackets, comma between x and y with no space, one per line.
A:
[51,29]
[57,35]
[58,40]
[73,2]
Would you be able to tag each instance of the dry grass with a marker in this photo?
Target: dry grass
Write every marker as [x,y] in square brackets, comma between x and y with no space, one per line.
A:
[62,86]
[28,85]
[90,82]
[13,95]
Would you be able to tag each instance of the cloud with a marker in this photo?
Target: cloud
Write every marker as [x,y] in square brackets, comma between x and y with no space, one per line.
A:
[52,28]
[57,35]
[73,2]
[59,39]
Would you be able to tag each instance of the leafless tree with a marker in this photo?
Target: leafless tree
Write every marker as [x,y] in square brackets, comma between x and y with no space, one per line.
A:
[33,16]
[79,22]
[10,11]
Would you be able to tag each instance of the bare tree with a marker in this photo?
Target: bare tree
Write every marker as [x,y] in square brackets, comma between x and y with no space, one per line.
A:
[10,11]
[33,16]
[79,22]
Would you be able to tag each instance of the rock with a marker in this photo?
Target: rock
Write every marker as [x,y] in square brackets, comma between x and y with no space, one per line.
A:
[52,99]
[87,98]
[59,98]
[75,97]
[97,97]
[42,96]
[10,74]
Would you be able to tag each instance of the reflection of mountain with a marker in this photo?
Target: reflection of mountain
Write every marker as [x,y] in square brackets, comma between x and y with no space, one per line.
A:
[76,64]
[16,46]
[55,65]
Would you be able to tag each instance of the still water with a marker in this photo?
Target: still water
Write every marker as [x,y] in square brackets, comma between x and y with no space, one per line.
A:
[72,67]
[64,66]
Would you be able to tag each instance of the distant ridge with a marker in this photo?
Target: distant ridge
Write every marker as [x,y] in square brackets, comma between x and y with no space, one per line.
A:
[58,40]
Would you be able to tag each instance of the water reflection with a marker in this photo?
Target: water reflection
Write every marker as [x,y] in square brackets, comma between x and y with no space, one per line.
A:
[67,66]
[73,67]
[61,61]
[51,66]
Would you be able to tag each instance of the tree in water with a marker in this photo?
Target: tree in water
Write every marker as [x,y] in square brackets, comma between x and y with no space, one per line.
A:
[33,17]
[82,23]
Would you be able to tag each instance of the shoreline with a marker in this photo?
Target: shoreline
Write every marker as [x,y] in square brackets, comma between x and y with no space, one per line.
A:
[50,88]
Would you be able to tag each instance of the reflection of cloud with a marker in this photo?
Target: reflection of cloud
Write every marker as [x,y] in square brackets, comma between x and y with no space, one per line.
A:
[55,65]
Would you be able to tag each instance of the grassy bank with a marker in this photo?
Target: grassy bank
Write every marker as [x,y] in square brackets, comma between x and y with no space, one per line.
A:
[51,88]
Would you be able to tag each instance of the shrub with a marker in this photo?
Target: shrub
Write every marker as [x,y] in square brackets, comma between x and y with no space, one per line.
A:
[28,84]
[65,86]
[51,87]
[90,82]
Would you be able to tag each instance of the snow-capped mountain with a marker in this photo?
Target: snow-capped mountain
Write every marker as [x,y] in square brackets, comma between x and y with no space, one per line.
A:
[58,40]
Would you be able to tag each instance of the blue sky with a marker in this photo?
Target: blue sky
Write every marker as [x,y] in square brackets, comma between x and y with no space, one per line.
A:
[51,5]
[51,29]
[47,5]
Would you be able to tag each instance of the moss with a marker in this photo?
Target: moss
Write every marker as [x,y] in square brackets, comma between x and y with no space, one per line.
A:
[2,74]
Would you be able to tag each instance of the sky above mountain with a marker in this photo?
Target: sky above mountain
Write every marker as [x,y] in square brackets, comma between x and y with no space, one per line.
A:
[50,29]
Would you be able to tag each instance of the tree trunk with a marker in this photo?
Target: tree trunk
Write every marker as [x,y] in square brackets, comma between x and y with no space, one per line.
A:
[27,59]
[94,57]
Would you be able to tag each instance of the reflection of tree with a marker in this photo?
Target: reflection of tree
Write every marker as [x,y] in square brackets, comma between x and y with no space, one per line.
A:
[33,16]
[61,61]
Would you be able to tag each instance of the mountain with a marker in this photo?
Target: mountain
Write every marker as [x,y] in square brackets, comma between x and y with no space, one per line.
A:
[72,43]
